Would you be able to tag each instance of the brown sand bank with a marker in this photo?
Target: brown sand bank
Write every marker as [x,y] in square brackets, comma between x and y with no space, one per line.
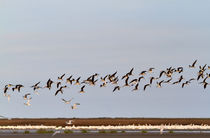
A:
[104,121]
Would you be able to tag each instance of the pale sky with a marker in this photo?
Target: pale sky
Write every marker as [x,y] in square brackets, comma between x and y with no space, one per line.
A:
[42,39]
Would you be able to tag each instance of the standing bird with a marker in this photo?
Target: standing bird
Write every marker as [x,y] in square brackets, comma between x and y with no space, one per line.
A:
[70,122]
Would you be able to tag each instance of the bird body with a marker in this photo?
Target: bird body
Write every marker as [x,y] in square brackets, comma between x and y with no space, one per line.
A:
[75,106]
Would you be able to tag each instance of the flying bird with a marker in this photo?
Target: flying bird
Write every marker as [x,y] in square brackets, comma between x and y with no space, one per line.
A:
[147,85]
[193,64]
[116,88]
[61,77]
[75,106]
[136,87]
[67,102]
[82,89]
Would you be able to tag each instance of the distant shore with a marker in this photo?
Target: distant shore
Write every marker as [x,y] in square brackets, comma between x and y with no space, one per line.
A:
[104,121]
[126,135]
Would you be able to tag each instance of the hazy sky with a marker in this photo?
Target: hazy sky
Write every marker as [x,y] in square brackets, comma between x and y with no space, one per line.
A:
[41,39]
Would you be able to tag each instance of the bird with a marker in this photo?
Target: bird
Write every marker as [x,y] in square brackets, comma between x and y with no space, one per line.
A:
[28,102]
[159,84]
[9,85]
[143,73]
[125,76]
[161,73]
[193,64]
[185,83]
[136,87]
[205,85]
[151,79]
[134,81]
[58,84]
[103,85]
[181,78]
[126,82]
[25,97]
[56,132]
[82,89]
[130,73]
[199,76]
[69,122]
[75,106]
[68,80]
[116,88]
[77,81]
[17,87]
[179,69]
[61,77]
[168,81]
[35,86]
[141,77]
[145,86]
[49,84]
[60,90]
[5,89]
[8,96]
[150,70]
[67,102]
[103,79]
[208,75]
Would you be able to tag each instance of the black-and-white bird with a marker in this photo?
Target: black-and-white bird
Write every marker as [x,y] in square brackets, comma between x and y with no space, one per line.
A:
[193,64]
[82,89]
[67,101]
[147,85]
[116,88]
[136,87]
[61,77]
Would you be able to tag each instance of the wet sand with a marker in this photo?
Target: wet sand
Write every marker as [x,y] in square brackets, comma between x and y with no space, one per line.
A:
[126,135]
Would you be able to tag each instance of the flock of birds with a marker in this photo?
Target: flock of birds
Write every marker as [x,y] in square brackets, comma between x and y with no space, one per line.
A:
[164,77]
